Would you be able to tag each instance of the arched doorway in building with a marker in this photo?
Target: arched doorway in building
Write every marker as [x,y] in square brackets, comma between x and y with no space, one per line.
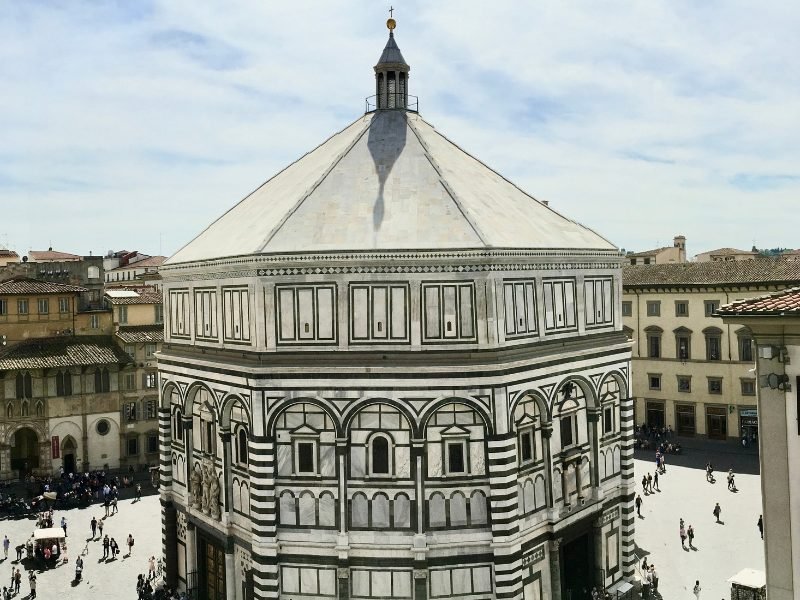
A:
[24,451]
[68,448]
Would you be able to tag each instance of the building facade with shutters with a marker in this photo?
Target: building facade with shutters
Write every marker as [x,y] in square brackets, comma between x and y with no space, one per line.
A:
[390,373]
[690,371]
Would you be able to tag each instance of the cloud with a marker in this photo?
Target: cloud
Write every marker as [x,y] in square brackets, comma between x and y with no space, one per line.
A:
[137,124]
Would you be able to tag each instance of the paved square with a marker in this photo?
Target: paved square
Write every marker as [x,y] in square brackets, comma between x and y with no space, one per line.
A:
[115,579]
[721,550]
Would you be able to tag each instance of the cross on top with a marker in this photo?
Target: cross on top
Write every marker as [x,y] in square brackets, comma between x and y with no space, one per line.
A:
[391,10]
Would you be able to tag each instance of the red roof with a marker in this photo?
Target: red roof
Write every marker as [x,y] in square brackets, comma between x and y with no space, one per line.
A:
[51,255]
[780,303]
[153,261]
[26,286]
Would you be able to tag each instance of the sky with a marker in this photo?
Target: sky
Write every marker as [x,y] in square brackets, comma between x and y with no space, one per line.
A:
[134,124]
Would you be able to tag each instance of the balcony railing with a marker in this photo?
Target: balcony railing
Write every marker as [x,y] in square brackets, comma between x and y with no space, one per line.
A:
[393,101]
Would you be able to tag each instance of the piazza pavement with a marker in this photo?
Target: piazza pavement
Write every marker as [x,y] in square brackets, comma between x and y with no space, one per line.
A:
[721,550]
[101,579]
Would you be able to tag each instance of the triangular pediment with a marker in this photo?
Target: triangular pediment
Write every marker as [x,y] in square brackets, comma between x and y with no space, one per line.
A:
[455,430]
[305,430]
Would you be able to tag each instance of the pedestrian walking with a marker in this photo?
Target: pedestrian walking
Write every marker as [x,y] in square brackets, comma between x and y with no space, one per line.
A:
[654,574]
[106,547]
[32,583]
[644,484]
[682,532]
[696,589]
[107,503]
[93,525]
[639,505]
[655,481]
[64,525]
[690,535]
[114,509]
[17,582]
[760,526]
[100,527]
[663,464]
[6,593]
[151,563]
[138,492]
[130,544]
[6,544]
[19,550]
[650,482]
[114,546]
[717,511]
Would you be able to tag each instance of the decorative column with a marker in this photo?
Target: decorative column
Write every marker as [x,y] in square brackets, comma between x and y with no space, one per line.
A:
[263,517]
[343,542]
[555,569]
[230,570]
[502,466]
[227,475]
[547,432]
[565,483]
[592,423]
[169,541]
[420,548]
[164,459]
[191,554]
[188,441]
[578,478]
[628,485]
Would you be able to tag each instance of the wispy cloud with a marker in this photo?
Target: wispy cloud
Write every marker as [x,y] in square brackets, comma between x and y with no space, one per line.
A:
[640,120]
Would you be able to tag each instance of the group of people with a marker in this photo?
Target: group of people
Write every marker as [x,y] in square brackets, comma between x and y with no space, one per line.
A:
[649,579]
[686,534]
[16,581]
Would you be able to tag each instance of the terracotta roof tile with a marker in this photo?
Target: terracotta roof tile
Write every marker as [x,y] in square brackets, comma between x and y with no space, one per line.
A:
[779,303]
[45,255]
[47,353]
[712,273]
[648,252]
[140,334]
[26,285]
[153,261]
[148,297]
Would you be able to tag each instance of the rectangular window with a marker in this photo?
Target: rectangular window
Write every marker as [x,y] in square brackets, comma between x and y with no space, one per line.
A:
[713,347]
[711,307]
[179,323]
[152,443]
[159,316]
[63,305]
[122,311]
[3,307]
[149,350]
[205,314]
[130,411]
[236,312]
[94,321]
[608,420]
[653,308]
[715,385]
[526,445]
[307,314]
[130,382]
[653,345]
[150,380]
[654,382]
[627,308]
[43,306]
[305,457]
[133,446]
[681,308]
[455,457]
[379,313]
[745,348]
[152,409]
[684,383]
[449,313]
[598,302]
[683,346]
[685,419]
[22,307]
[130,350]
[567,438]
[520,305]
[63,383]
[748,387]
[559,305]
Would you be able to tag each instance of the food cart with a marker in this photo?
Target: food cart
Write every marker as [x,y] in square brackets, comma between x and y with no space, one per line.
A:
[44,540]
[748,584]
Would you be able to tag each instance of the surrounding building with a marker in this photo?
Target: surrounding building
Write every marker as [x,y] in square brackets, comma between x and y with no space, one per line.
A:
[688,371]
[8,257]
[138,318]
[660,256]
[774,323]
[390,373]
[136,270]
[726,254]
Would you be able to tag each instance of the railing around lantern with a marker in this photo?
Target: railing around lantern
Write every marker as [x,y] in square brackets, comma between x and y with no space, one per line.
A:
[393,101]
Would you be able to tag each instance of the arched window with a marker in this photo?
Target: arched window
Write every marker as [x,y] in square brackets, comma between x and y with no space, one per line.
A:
[24,411]
[40,409]
[241,440]
[477,508]
[380,511]
[360,511]
[24,386]
[379,455]
[102,380]
[10,410]
[63,383]
[287,510]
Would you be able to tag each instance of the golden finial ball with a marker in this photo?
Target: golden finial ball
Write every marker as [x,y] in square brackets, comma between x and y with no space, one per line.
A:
[391,24]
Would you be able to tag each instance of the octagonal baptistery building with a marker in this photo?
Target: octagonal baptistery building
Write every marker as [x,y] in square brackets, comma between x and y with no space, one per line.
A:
[390,373]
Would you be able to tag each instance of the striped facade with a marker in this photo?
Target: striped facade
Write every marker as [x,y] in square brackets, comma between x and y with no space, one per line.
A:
[500,518]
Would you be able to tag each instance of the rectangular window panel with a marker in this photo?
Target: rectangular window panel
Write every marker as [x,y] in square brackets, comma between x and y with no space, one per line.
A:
[399,313]
[305,313]
[559,305]
[627,309]
[359,312]
[549,308]
[530,306]
[379,310]
[566,431]
[520,318]
[286,314]
[511,318]
[449,309]
[305,457]
[465,312]
[589,295]
[179,313]
[432,316]
[325,313]
[455,457]
[569,303]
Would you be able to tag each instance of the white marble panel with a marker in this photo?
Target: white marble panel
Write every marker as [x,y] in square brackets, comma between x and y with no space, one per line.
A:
[315,419]
[284,453]
[357,459]
[458,510]
[539,492]
[380,511]
[402,466]
[477,458]
[530,501]
[327,582]
[462,581]
[478,508]
[290,579]
[381,584]
[370,420]
[288,514]
[434,460]
[402,511]
[390,420]
[308,581]
[327,460]
[440,582]
[360,583]
[437,511]
[360,508]
[327,510]
[307,509]
[482,580]
[401,584]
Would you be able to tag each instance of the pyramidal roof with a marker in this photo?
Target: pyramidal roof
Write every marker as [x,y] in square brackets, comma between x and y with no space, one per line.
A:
[388,181]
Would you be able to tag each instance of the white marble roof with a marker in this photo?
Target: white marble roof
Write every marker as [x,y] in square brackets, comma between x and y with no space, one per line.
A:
[389,181]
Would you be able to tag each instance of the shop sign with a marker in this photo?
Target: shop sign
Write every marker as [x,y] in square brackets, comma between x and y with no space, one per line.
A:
[55,447]
[749,422]
[748,412]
